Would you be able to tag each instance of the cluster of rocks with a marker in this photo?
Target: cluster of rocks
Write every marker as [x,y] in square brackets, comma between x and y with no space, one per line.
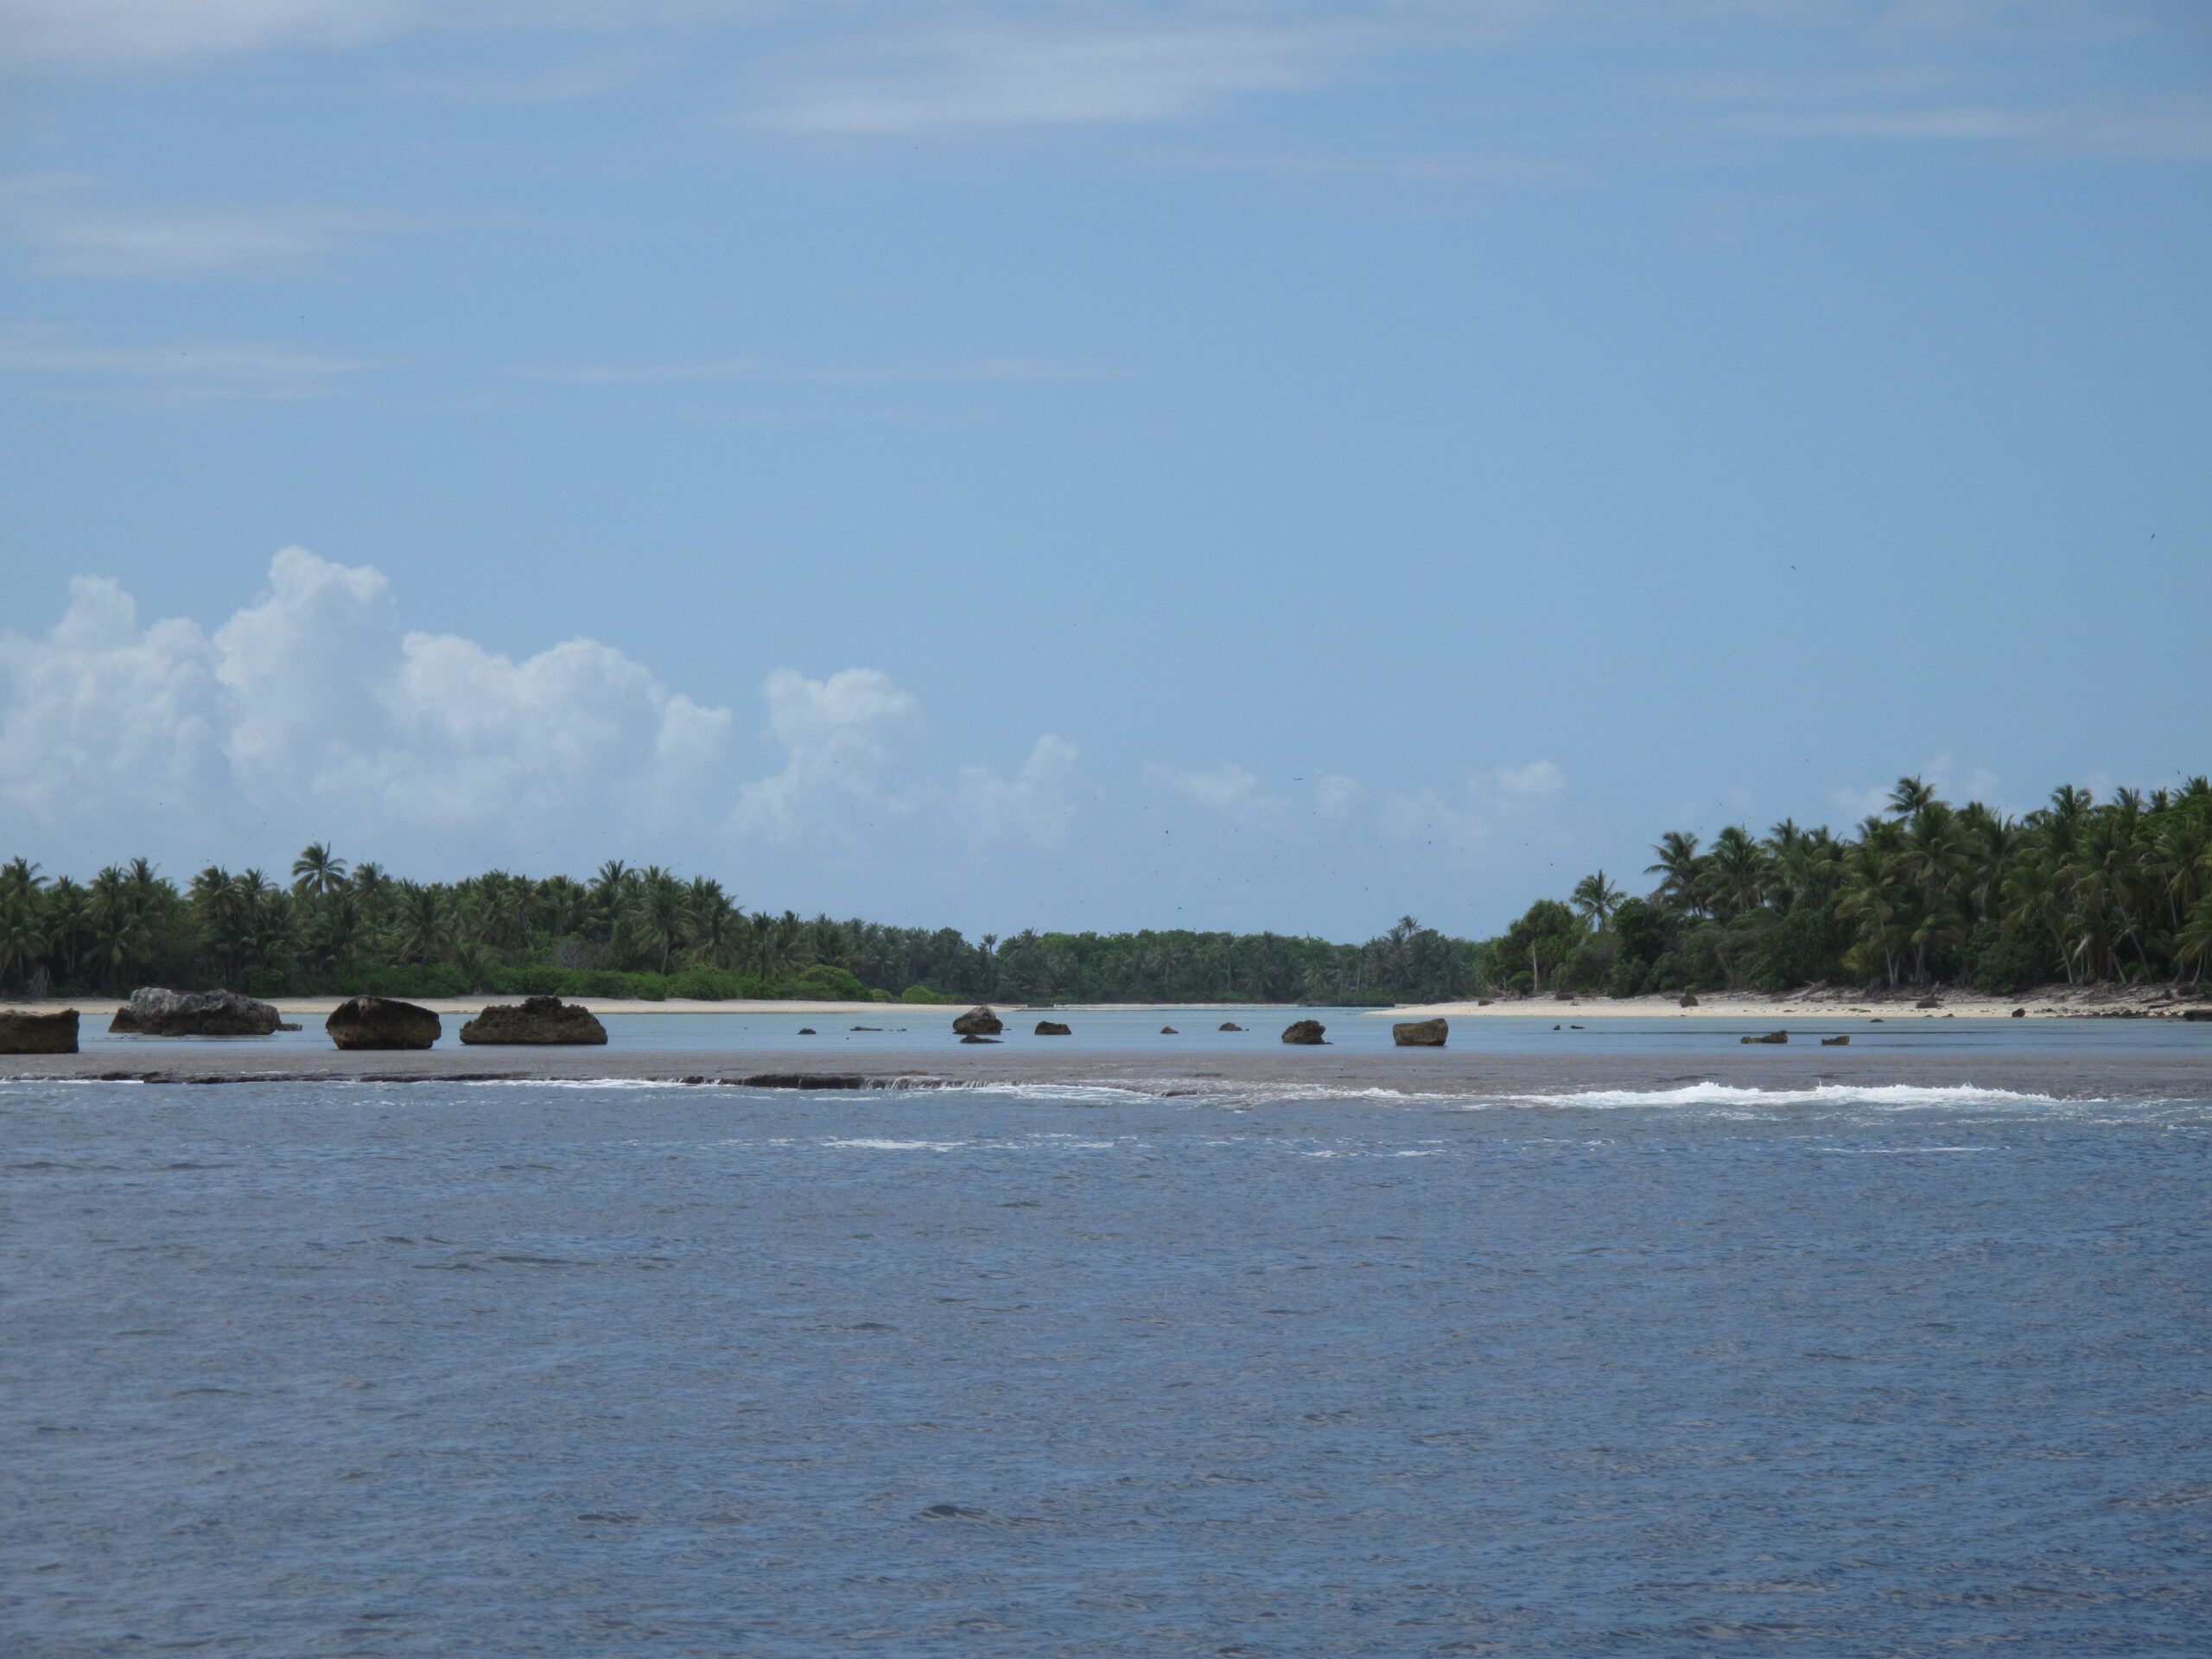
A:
[362,1022]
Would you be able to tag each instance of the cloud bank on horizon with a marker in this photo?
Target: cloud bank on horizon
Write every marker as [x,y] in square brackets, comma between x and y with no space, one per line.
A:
[311,714]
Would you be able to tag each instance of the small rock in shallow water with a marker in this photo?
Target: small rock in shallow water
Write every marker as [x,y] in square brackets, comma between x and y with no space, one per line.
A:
[1169,1031]
[1770,1037]
[380,1022]
[1230,1025]
[1054,1028]
[39,1033]
[536,1021]
[154,1012]
[1835,1042]
[972,1037]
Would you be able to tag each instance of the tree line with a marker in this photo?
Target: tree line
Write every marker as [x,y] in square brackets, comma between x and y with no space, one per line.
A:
[2084,891]
[638,933]
[2080,890]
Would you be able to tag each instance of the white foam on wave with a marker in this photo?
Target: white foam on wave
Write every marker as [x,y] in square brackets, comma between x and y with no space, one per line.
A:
[1900,1096]
[553,1083]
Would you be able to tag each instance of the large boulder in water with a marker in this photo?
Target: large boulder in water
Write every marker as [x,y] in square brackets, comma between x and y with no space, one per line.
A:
[1304,1032]
[38,1033]
[978,1022]
[379,1022]
[153,1011]
[1054,1028]
[539,1020]
[1421,1033]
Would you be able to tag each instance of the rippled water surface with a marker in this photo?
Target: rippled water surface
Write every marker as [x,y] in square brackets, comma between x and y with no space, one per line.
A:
[517,1369]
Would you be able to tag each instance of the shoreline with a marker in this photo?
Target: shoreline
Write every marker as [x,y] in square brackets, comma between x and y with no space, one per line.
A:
[2044,1003]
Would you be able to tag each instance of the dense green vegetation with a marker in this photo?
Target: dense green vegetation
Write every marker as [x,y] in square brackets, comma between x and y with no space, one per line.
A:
[630,932]
[1926,893]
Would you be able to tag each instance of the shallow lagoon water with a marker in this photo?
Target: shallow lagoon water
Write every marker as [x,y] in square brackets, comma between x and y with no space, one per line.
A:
[579,1370]
[898,1028]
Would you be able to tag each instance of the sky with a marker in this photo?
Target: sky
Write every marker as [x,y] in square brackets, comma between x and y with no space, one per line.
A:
[1281,464]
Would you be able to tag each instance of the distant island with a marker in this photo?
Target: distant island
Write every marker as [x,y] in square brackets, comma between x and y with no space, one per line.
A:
[2084,891]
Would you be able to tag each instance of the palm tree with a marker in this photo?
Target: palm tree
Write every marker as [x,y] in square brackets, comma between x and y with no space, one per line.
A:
[1875,895]
[20,880]
[1681,872]
[667,917]
[419,929]
[1595,899]
[1738,871]
[317,871]
[1909,797]
[22,944]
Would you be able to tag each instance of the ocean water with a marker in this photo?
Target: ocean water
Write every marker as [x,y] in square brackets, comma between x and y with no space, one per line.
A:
[521,1369]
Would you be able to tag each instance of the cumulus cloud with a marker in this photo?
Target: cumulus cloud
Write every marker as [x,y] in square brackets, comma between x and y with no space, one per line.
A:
[311,713]
[1337,796]
[837,733]
[1228,789]
[1034,805]
[1492,806]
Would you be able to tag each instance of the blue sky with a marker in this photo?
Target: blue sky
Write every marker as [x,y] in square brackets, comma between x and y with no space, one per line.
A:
[1260,465]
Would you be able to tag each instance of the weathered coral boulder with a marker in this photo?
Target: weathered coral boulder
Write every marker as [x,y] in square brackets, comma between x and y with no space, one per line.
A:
[153,1011]
[978,1022]
[975,1036]
[1770,1037]
[1054,1028]
[39,1033]
[1689,1000]
[379,1022]
[1843,1042]
[540,1020]
[1169,1031]
[1421,1033]
[1304,1032]
[1230,1025]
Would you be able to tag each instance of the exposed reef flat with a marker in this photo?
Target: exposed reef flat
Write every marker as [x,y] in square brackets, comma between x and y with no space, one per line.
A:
[2160,1073]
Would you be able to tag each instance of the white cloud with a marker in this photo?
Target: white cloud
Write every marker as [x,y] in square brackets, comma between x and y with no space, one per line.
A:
[982,371]
[1033,805]
[124,31]
[1494,805]
[183,374]
[981,76]
[1339,797]
[104,718]
[68,237]
[310,713]
[1228,789]
[837,733]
